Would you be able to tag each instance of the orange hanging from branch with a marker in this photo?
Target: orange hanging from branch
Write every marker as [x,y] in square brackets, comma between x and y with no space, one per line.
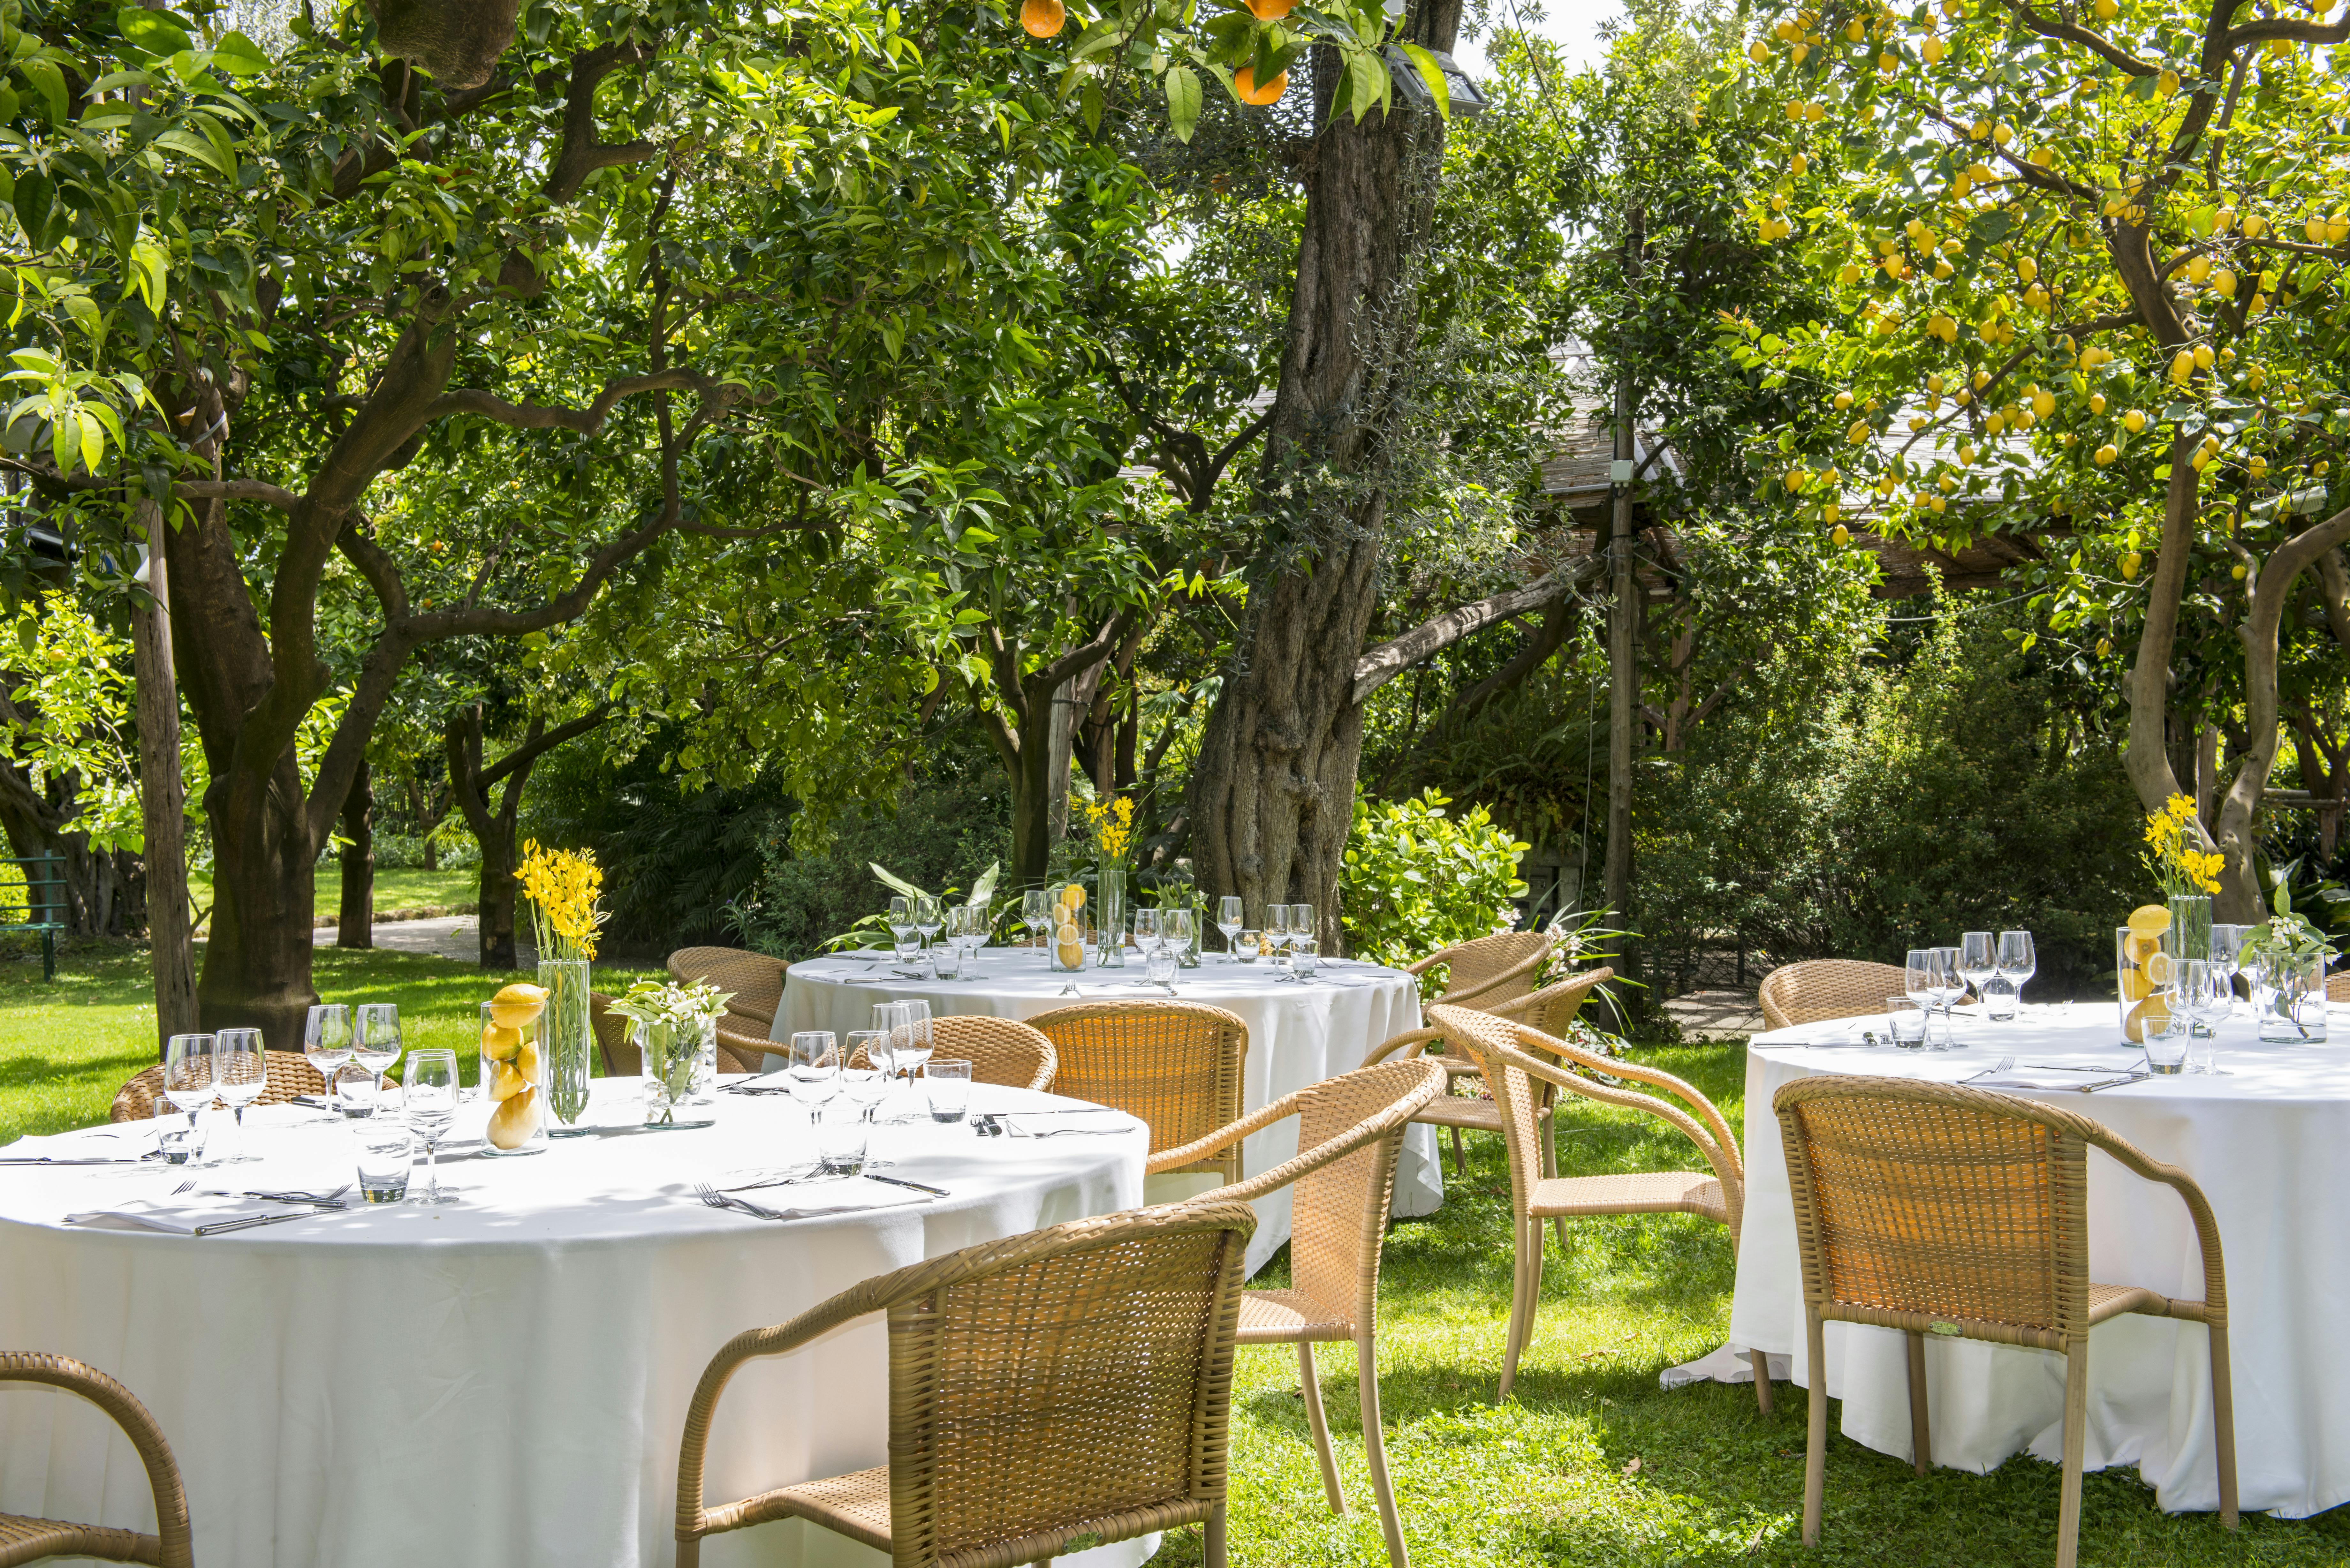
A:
[1043,18]
[1244,84]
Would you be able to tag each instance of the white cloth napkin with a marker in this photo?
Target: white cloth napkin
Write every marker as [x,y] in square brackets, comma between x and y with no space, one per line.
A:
[179,1215]
[1047,1125]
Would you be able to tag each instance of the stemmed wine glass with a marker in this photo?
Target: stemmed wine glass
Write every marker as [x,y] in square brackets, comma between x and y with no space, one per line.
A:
[429,1097]
[240,1073]
[1978,961]
[375,1042]
[2017,962]
[326,1041]
[188,1079]
[1228,922]
[1276,935]
[1036,914]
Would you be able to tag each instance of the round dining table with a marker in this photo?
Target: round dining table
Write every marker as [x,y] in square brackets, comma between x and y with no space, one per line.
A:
[502,1380]
[2267,1136]
[1300,1032]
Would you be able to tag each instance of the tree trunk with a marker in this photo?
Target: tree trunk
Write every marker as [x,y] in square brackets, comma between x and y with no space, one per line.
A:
[354,922]
[1273,793]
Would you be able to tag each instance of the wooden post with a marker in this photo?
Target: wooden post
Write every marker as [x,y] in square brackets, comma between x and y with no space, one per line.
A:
[163,804]
[1623,625]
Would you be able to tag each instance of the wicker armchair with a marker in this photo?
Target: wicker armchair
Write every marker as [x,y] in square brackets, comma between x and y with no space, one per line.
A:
[290,1075]
[1931,1207]
[1549,1010]
[1349,1131]
[23,1539]
[1490,969]
[1174,1065]
[1516,1059]
[1068,1385]
[621,1057]
[1819,989]
[1000,1051]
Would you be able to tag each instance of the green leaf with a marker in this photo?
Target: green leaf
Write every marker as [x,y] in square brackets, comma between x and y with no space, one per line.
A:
[1433,75]
[1183,101]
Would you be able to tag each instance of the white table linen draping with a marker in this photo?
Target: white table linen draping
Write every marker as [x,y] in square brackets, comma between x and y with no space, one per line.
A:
[2268,1142]
[1300,1032]
[501,1382]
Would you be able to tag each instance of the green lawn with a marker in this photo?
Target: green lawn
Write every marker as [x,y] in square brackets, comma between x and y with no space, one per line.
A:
[458,890]
[1590,1463]
[66,1047]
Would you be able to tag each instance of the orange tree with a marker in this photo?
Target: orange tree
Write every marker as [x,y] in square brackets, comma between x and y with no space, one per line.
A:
[2090,261]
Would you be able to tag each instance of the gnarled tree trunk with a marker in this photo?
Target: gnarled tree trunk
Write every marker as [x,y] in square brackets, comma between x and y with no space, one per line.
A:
[1273,793]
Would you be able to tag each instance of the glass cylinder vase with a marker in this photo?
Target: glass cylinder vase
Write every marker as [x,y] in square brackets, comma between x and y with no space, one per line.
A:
[569,1037]
[1109,919]
[2291,995]
[681,1072]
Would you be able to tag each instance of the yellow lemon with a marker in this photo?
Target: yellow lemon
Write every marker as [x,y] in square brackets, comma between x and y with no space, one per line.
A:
[514,1120]
[2148,920]
[500,1043]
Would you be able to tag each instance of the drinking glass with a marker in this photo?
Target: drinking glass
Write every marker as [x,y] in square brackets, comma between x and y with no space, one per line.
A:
[841,1145]
[928,916]
[326,1041]
[1036,914]
[1276,934]
[188,1078]
[429,1096]
[812,1069]
[2017,962]
[1228,922]
[240,1073]
[385,1153]
[1905,1022]
[375,1042]
[1146,936]
[948,1084]
[1978,958]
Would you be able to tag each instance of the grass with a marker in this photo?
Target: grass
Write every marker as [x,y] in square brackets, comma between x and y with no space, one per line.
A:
[458,890]
[66,1047]
[1590,1463]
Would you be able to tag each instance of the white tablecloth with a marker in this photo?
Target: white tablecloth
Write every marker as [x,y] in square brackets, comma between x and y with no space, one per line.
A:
[2270,1144]
[500,1383]
[1300,1032]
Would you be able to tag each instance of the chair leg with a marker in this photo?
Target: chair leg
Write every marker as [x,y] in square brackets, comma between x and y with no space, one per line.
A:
[2223,1424]
[1761,1364]
[1375,1449]
[1521,1307]
[2076,1434]
[1815,1439]
[1921,1439]
[1460,1158]
[1309,1383]
[1213,1555]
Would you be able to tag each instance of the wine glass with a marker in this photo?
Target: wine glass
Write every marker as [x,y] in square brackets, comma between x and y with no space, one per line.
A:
[2017,962]
[1228,922]
[374,1041]
[902,930]
[188,1078]
[326,1041]
[1276,934]
[1036,914]
[429,1096]
[928,916]
[812,1070]
[1978,958]
[240,1073]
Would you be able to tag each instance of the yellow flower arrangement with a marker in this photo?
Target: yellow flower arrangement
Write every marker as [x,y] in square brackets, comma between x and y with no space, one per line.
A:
[562,888]
[1111,822]
[2171,854]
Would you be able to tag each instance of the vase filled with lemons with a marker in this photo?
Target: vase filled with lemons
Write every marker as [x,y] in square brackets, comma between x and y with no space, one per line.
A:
[562,887]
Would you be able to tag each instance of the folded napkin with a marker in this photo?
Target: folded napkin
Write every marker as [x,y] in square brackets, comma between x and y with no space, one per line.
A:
[1049,1124]
[183,1214]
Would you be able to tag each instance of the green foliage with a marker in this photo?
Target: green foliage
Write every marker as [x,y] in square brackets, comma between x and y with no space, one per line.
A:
[1897,805]
[1419,878]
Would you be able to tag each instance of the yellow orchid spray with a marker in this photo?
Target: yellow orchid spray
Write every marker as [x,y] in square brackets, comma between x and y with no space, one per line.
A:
[2171,854]
[562,887]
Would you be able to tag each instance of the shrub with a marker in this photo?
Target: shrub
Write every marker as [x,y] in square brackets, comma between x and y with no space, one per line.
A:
[1417,880]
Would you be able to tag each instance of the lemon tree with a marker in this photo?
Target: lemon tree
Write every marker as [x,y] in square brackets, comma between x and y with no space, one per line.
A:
[2090,269]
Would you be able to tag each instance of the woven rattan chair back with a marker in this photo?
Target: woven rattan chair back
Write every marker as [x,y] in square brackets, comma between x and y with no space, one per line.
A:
[1000,1050]
[27,1539]
[621,1057]
[1819,989]
[1174,1065]
[1490,969]
[290,1073]
[1072,1382]
[754,982]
